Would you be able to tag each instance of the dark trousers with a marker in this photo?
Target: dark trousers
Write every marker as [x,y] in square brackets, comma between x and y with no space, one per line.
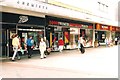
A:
[82,49]
[30,50]
[115,42]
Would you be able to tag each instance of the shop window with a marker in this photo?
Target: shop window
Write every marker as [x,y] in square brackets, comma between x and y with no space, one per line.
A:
[43,7]
[18,2]
[39,6]
[32,5]
[23,3]
[36,37]
[27,4]
[103,7]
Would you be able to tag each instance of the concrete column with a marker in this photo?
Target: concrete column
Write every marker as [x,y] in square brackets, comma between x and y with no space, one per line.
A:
[93,35]
[110,37]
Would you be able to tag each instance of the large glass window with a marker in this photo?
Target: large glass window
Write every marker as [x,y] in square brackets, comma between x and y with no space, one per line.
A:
[88,37]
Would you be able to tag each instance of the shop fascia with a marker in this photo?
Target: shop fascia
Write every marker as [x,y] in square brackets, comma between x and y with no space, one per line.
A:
[30,5]
[105,27]
[69,24]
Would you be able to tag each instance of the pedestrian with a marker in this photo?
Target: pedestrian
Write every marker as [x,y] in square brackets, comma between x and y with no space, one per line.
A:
[116,41]
[106,41]
[42,48]
[30,46]
[60,44]
[16,46]
[23,45]
[47,46]
[81,44]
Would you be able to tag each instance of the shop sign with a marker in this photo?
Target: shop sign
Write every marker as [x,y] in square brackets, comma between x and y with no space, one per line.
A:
[105,27]
[85,26]
[23,19]
[63,24]
[75,25]
[110,28]
[118,29]
[98,26]
[53,22]
[70,24]
[58,23]
[90,27]
[74,30]
[31,5]
[113,28]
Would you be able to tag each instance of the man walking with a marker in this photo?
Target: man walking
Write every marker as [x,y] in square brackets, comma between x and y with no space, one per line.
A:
[30,46]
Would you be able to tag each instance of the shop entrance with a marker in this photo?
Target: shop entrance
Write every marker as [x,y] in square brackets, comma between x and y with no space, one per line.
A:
[23,32]
[100,36]
[37,34]
[7,42]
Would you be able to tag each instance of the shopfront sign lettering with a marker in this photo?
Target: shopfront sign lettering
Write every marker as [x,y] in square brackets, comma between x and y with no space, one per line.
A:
[105,27]
[53,22]
[112,28]
[23,19]
[75,25]
[118,29]
[69,24]
[58,23]
[63,24]
[84,26]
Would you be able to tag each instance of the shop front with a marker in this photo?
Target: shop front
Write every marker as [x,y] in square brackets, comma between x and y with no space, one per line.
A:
[104,31]
[113,32]
[87,33]
[17,23]
[117,32]
[69,30]
[81,30]
[55,31]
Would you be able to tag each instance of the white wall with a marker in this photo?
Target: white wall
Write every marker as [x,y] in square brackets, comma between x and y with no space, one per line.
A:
[94,15]
[93,7]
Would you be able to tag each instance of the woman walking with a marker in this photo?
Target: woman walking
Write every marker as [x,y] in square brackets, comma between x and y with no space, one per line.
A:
[81,44]
[61,44]
[42,48]
[16,46]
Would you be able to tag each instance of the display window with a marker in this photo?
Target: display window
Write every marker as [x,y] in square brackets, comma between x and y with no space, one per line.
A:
[87,35]
[36,34]
[74,34]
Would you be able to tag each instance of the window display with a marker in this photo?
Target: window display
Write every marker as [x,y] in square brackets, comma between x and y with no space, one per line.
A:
[87,35]
[36,37]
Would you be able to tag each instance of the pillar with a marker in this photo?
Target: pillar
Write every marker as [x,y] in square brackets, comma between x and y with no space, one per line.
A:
[93,40]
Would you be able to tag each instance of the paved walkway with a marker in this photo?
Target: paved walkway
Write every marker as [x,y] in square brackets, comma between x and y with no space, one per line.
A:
[95,63]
